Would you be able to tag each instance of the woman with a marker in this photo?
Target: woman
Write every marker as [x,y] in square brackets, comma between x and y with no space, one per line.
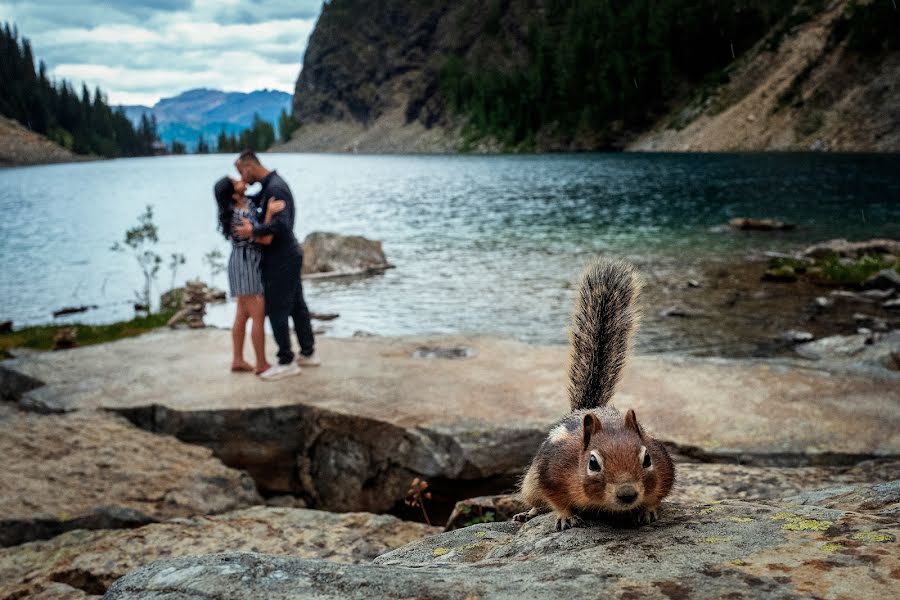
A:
[244,276]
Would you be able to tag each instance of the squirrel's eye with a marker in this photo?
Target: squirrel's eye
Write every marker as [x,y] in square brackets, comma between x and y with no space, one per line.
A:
[594,465]
[646,460]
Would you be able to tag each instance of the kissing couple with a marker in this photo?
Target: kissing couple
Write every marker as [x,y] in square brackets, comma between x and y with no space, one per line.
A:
[264,268]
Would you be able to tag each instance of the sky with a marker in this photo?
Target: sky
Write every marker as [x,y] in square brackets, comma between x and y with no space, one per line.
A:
[139,51]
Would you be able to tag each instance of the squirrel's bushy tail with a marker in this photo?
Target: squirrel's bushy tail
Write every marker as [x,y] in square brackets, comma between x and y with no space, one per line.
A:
[603,325]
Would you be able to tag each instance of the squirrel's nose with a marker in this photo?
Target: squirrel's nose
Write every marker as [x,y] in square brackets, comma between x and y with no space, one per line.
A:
[626,494]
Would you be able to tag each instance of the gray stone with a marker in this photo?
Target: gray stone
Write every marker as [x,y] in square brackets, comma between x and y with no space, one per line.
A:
[795,336]
[728,549]
[863,350]
[335,255]
[885,279]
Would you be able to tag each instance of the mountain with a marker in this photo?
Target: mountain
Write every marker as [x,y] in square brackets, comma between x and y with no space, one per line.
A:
[194,112]
[541,75]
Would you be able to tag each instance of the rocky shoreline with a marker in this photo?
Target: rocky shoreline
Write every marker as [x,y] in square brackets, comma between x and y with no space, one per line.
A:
[175,478]
[20,146]
[176,460]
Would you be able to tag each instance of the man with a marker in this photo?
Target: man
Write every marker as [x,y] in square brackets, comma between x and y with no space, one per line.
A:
[281,265]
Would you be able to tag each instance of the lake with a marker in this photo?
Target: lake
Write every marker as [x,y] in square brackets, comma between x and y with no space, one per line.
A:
[488,244]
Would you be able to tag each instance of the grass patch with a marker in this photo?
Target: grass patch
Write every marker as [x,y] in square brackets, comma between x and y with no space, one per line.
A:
[41,336]
[834,270]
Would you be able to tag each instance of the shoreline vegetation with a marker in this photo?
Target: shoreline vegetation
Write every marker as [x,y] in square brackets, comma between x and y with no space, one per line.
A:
[827,290]
[42,337]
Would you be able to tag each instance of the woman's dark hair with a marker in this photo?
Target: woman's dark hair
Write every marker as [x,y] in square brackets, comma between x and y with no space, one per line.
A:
[224,192]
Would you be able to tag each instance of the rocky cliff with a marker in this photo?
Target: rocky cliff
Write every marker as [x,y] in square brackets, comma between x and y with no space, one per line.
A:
[374,79]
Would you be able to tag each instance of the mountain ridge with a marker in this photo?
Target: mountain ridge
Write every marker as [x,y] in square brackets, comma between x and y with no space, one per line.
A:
[374,79]
[207,112]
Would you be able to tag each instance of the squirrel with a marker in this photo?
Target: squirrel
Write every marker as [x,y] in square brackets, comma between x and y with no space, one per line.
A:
[594,460]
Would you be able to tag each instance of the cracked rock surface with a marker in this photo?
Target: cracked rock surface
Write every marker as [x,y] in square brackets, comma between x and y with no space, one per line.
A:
[350,435]
[732,549]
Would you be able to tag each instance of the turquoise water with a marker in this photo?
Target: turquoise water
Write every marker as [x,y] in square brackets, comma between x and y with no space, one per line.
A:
[481,244]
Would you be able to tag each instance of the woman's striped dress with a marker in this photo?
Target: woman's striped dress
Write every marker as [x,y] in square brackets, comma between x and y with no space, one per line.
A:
[244,275]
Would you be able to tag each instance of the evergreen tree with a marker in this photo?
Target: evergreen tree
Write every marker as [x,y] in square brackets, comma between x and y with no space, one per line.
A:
[286,126]
[84,124]
[202,146]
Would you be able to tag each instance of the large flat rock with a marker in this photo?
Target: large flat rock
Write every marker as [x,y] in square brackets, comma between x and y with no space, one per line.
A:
[352,434]
[702,483]
[88,562]
[97,471]
[731,549]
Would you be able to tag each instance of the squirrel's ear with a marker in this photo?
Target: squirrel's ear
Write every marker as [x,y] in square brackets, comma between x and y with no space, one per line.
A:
[591,426]
[632,423]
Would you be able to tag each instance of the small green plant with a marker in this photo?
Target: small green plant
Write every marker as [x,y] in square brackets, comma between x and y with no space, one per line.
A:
[215,260]
[141,241]
[487,517]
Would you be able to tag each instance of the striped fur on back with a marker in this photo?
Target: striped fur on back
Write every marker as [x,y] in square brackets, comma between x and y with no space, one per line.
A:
[602,332]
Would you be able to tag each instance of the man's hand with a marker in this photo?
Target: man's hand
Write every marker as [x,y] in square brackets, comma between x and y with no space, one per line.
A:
[243,231]
[274,206]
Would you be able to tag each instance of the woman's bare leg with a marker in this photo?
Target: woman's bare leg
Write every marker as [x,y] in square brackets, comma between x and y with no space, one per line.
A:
[239,332]
[257,309]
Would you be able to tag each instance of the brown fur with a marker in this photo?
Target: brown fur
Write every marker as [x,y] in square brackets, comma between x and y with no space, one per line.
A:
[602,332]
[559,477]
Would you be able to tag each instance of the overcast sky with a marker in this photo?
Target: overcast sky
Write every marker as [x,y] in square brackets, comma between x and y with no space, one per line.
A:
[139,51]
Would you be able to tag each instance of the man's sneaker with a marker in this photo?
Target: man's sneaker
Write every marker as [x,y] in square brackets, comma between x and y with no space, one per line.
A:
[276,372]
[309,361]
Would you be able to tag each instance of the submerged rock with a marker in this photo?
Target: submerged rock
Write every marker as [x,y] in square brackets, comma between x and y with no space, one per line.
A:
[747,224]
[96,471]
[760,549]
[335,255]
[90,561]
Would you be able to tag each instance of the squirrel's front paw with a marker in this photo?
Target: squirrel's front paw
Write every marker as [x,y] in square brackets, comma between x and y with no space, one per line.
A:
[564,523]
[523,517]
[645,517]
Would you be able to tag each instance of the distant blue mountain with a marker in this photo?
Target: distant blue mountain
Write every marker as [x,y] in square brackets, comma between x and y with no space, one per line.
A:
[193,113]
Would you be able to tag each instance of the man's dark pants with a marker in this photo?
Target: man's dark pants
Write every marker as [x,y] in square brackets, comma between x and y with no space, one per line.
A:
[284,299]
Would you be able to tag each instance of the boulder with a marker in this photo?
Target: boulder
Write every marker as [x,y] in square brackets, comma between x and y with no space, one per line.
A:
[747,224]
[97,471]
[885,279]
[335,255]
[728,549]
[844,248]
[90,561]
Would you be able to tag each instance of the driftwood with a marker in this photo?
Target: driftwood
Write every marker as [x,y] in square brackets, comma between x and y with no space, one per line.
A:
[71,310]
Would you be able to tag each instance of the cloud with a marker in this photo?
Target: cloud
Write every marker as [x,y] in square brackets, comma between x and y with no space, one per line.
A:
[140,51]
